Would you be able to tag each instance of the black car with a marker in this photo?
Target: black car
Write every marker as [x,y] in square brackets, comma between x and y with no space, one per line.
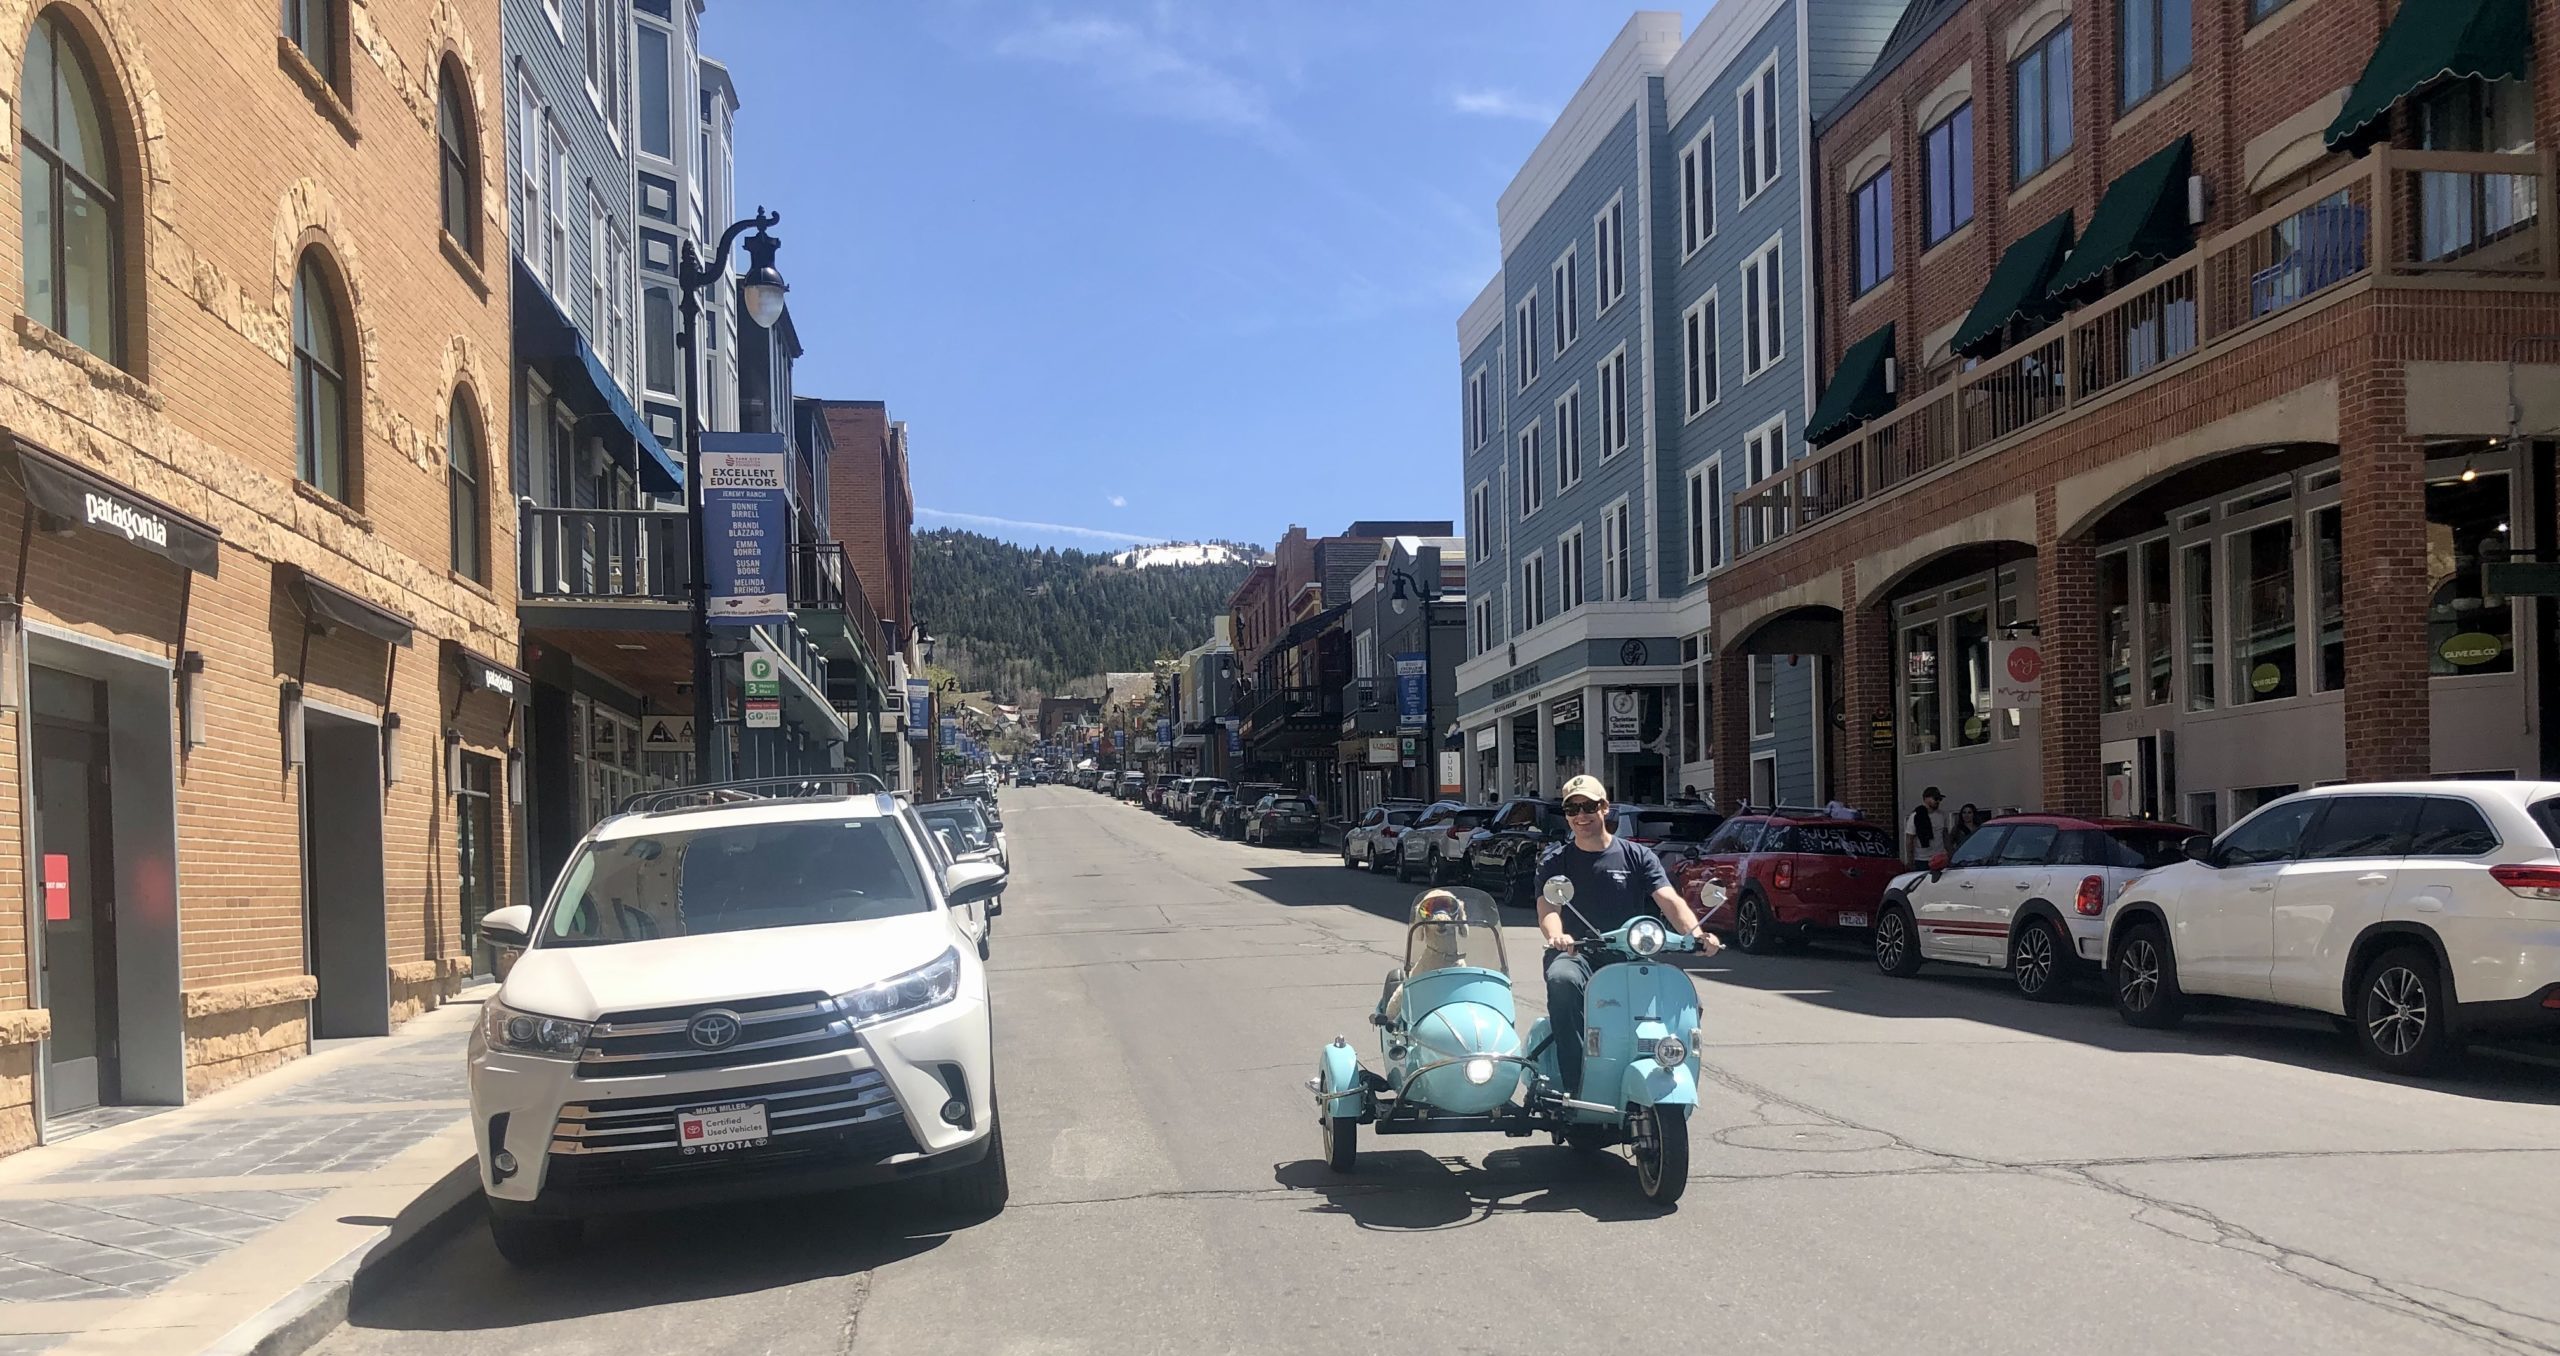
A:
[1502,857]
[1281,818]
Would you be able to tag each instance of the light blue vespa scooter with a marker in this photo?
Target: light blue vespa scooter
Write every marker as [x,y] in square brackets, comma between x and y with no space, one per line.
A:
[1455,1060]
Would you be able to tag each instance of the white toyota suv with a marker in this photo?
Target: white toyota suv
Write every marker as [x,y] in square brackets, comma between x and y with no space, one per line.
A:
[2415,914]
[754,989]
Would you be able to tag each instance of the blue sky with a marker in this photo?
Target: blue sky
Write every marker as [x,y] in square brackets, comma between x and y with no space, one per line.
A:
[1168,270]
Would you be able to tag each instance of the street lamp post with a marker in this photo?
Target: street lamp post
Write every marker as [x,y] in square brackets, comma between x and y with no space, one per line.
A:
[762,291]
[1405,585]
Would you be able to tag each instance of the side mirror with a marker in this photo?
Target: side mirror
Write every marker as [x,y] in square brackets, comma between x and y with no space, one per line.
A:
[1937,865]
[2199,848]
[968,883]
[1557,891]
[511,926]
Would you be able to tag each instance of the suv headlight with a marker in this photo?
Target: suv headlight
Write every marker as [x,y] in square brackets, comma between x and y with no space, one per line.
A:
[926,986]
[531,1033]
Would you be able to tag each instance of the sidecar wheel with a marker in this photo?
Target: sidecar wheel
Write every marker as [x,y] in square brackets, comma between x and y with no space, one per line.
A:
[1662,1171]
[1341,1141]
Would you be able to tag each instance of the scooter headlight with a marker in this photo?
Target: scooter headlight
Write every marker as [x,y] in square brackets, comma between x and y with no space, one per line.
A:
[1668,1051]
[1479,1071]
[1645,936]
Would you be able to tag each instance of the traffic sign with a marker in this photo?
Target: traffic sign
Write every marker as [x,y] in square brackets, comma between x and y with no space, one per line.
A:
[763,692]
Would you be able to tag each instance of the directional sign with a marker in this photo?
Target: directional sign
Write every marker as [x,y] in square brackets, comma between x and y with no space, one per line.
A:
[763,692]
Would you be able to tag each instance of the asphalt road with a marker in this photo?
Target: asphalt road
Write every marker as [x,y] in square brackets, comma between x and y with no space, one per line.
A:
[1881,1165]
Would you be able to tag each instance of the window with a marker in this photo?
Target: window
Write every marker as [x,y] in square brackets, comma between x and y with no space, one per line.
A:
[2040,92]
[556,157]
[2027,844]
[1570,575]
[2196,601]
[2454,828]
[2115,630]
[2156,46]
[1694,703]
[658,323]
[1766,450]
[1484,624]
[1764,331]
[530,174]
[2262,612]
[2362,826]
[599,261]
[1706,517]
[1758,107]
[1480,521]
[1698,357]
[458,161]
[319,383]
[475,841]
[1871,232]
[2329,588]
[2259,9]
[1568,290]
[1980,849]
[1532,489]
[1533,591]
[313,27]
[1969,643]
[1613,404]
[1617,577]
[650,60]
[1569,439]
[1524,326]
[463,477]
[67,202]
[1698,192]
[1609,235]
[2269,837]
[1479,413]
[1763,695]
[1920,688]
[1946,164]
[2469,630]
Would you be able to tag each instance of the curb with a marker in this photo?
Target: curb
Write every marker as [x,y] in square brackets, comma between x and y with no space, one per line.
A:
[319,1307]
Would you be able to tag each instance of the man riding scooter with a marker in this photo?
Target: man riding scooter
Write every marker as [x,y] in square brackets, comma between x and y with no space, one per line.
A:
[1614,880]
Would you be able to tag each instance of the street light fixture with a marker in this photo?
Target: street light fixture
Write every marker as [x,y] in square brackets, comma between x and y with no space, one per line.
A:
[1403,584]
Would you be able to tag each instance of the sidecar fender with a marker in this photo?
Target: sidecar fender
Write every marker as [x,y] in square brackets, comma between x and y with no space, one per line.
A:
[1342,1074]
[1649,1084]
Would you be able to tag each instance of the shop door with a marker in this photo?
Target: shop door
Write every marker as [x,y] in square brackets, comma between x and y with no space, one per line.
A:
[75,845]
[346,936]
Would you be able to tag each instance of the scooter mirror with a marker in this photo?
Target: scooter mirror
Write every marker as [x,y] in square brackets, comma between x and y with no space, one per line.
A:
[1557,891]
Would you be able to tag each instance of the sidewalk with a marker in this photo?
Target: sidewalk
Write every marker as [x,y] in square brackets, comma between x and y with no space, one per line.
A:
[237,1224]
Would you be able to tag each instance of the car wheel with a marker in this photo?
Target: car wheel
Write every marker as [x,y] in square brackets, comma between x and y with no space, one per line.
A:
[2145,975]
[1897,942]
[1754,930]
[980,1190]
[2035,962]
[536,1242]
[1341,1135]
[2404,1012]
[1373,863]
[1661,1137]
[1404,868]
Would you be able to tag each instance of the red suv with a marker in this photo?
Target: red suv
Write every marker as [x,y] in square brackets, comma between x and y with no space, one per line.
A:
[1773,878]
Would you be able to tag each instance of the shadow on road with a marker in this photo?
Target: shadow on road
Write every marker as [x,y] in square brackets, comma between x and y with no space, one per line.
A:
[1411,1191]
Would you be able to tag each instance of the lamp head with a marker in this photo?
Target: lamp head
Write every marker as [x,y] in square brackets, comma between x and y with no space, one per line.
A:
[762,289]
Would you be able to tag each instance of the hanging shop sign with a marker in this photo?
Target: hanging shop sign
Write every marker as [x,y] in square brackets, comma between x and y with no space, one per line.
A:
[77,495]
[1568,711]
[2017,673]
[2471,649]
[1382,749]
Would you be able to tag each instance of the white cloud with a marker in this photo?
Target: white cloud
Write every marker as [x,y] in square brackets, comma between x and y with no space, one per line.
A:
[1143,70]
[1119,501]
[1026,525]
[1499,103]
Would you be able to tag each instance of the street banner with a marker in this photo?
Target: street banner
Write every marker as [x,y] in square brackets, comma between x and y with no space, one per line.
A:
[1413,692]
[1164,732]
[2017,673]
[745,518]
[950,732]
[919,710]
[1452,772]
[763,691]
[1235,733]
[1624,716]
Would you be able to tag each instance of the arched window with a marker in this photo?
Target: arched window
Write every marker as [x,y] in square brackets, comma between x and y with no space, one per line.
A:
[319,382]
[459,172]
[463,476]
[67,201]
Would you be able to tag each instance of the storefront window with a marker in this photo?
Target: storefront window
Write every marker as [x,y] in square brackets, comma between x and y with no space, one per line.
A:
[1764,695]
[1920,688]
[2156,665]
[2115,634]
[1693,714]
[2468,631]
[2328,576]
[1971,637]
[475,841]
[2262,613]
[2198,569]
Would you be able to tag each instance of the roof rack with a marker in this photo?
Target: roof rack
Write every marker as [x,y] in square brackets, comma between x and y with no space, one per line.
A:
[809,786]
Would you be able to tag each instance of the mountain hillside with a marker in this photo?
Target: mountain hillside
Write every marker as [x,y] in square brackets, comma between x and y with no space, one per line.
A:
[1185,553]
[1014,619]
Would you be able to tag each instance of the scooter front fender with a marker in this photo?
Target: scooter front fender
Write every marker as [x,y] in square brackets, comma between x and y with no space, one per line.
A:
[1649,1084]
[1342,1074]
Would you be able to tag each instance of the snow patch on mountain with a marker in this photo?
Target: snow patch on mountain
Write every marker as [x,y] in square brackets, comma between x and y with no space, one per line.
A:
[1183,553]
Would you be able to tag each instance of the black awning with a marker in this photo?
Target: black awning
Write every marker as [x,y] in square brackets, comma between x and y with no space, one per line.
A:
[78,495]
[545,334]
[326,602]
[480,673]
[2428,41]
[1299,634]
[1857,391]
[2017,288]
[2142,216]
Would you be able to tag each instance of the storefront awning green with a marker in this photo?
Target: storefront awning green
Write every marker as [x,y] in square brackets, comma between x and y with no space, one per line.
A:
[2431,40]
[2017,288]
[2142,217]
[1857,392]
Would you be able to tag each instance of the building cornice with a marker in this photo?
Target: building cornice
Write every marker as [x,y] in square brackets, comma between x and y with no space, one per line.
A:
[1639,52]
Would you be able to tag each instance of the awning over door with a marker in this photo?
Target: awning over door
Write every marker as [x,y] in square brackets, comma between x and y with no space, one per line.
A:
[480,673]
[1857,391]
[325,602]
[2428,41]
[545,336]
[78,495]
[2142,217]
[2017,288]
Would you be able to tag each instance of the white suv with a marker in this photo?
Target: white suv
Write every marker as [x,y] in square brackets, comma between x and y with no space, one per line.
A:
[2024,893]
[745,995]
[2415,914]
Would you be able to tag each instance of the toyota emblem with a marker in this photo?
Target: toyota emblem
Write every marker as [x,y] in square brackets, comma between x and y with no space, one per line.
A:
[714,1030]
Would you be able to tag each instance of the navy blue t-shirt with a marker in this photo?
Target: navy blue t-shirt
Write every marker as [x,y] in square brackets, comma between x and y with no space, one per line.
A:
[1610,886]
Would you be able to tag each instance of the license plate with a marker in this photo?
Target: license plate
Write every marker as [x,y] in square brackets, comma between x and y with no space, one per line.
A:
[1853,920]
[721,1129]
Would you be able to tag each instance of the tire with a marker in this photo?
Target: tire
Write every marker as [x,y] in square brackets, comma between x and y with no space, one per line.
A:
[2037,964]
[1404,869]
[532,1243]
[2404,1012]
[1897,941]
[1347,863]
[1341,1135]
[1662,1172]
[2143,974]
[1754,929]
[980,1190]
[1372,863]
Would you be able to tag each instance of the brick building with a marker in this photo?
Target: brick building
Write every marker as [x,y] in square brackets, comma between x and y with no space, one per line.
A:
[254,411]
[871,510]
[2209,349]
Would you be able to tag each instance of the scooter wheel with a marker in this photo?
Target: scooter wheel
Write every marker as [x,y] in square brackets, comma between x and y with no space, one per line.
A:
[1662,1152]
[1341,1141]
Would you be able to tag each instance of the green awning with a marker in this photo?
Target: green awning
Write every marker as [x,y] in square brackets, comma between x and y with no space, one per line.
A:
[2431,40]
[2142,216]
[2017,288]
[1857,391]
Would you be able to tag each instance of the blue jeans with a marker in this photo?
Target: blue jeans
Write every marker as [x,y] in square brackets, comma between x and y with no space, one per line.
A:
[1568,976]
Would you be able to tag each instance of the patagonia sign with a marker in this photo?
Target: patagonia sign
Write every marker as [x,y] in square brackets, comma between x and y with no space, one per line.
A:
[83,498]
[135,524]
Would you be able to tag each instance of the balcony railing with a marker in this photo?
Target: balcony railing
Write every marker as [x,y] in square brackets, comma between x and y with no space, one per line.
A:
[602,555]
[2419,218]
[1276,706]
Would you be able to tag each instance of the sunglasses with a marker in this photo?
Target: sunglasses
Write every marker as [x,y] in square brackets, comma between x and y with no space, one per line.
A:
[1582,807]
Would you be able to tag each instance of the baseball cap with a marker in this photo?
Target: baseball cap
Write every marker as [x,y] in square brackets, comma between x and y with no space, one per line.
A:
[1585,785]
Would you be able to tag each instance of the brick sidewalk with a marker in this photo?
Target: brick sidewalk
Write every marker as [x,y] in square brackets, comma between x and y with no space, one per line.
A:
[169,1232]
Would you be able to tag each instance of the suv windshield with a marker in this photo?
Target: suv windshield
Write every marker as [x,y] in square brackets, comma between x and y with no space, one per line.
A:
[964,821]
[735,878]
[1292,803]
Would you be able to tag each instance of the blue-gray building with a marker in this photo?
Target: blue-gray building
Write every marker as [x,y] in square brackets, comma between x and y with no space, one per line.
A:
[1638,361]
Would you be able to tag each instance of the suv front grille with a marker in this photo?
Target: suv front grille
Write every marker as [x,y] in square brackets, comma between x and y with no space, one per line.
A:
[657,1040]
[802,1106]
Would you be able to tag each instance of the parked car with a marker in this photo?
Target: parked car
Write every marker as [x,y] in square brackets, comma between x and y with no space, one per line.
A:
[2025,893]
[1502,856]
[1231,819]
[2415,914]
[979,835]
[1133,786]
[1371,842]
[1196,801]
[1281,819]
[1775,879]
[1672,831]
[1212,806]
[1435,847]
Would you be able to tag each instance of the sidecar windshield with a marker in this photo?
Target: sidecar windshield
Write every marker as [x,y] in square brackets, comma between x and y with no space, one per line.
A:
[1465,928]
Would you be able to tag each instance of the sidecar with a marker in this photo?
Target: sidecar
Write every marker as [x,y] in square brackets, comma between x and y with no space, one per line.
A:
[1447,1034]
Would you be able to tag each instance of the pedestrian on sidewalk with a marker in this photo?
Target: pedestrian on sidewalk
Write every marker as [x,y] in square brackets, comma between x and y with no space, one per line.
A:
[1924,830]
